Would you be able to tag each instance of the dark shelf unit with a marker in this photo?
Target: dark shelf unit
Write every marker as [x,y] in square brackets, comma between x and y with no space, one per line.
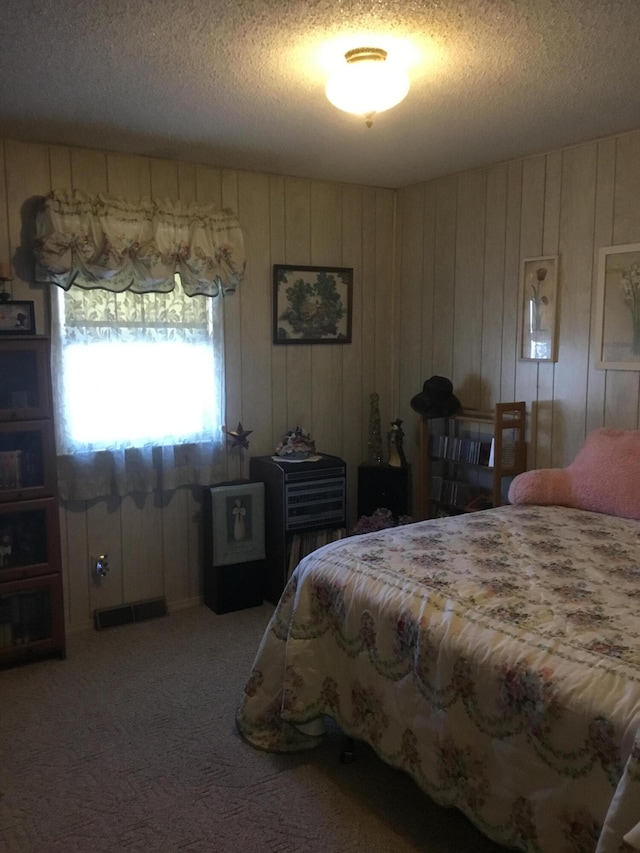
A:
[300,497]
[384,486]
[31,597]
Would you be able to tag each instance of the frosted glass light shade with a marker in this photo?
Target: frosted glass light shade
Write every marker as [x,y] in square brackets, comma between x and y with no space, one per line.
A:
[367,83]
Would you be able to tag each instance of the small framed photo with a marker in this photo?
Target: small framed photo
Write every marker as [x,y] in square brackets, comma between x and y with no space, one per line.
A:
[538,308]
[17,318]
[237,519]
[617,337]
[312,305]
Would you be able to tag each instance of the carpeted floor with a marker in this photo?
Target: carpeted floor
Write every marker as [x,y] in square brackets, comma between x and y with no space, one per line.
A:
[130,744]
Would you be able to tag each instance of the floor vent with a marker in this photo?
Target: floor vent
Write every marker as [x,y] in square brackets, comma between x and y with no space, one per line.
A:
[125,614]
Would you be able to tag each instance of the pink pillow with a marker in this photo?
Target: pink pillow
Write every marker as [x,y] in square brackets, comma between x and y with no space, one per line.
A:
[604,477]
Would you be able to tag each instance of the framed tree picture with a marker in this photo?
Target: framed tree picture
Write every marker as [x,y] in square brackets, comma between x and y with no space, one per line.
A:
[312,305]
[617,335]
[538,308]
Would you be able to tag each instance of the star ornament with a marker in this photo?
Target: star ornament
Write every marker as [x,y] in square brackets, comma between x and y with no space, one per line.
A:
[239,436]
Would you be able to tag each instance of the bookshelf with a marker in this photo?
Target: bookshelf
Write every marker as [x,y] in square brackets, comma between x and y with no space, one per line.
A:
[31,597]
[467,458]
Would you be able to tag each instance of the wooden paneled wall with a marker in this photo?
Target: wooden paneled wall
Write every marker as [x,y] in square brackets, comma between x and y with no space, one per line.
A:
[436,292]
[153,541]
[460,246]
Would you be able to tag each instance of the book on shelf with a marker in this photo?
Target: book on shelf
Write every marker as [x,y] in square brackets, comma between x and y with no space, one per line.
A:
[454,449]
[453,493]
[485,452]
[302,544]
[10,469]
[508,453]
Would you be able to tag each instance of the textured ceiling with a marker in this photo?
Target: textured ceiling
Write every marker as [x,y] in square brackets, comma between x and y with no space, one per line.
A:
[240,83]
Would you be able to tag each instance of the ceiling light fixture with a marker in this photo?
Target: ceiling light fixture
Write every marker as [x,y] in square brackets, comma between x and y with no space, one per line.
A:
[368,83]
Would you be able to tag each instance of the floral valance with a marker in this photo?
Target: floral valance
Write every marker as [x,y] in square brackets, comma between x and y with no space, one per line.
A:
[138,245]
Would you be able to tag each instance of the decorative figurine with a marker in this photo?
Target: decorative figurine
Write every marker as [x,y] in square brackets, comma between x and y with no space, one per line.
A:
[296,444]
[239,524]
[395,437]
[375,433]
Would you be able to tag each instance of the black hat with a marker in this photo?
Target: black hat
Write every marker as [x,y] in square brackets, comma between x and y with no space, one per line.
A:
[437,399]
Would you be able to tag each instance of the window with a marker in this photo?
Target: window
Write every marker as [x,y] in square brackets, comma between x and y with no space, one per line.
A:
[136,371]
[136,338]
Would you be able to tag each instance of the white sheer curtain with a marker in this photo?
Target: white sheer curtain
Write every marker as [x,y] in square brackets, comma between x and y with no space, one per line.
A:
[137,362]
[139,386]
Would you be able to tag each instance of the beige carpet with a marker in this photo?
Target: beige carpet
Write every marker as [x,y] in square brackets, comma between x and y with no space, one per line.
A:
[130,744]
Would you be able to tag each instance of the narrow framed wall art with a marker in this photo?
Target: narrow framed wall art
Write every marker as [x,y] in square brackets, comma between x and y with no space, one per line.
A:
[538,308]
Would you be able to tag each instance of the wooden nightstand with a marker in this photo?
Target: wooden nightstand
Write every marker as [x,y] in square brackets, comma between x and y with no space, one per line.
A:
[384,486]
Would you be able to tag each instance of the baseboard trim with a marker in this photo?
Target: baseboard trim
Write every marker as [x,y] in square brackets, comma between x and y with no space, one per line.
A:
[173,606]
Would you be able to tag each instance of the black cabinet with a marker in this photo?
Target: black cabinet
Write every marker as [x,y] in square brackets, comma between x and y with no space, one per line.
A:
[300,498]
[384,486]
[235,586]
[234,568]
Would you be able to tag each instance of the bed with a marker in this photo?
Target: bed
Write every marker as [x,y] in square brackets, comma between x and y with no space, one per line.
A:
[494,657]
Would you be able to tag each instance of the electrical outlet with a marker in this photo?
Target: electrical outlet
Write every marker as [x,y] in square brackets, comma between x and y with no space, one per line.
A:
[101,566]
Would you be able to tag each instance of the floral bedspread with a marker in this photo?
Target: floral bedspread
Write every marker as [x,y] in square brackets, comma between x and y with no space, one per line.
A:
[495,657]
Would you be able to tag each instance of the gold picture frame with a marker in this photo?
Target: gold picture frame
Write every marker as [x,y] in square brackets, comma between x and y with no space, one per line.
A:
[617,334]
[539,309]
[312,305]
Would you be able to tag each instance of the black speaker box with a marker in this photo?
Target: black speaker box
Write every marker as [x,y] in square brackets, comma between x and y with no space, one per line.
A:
[384,486]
